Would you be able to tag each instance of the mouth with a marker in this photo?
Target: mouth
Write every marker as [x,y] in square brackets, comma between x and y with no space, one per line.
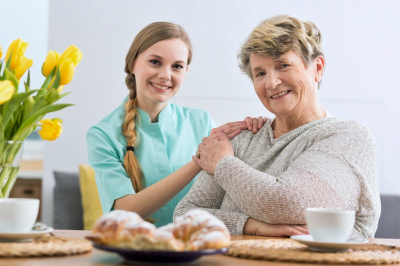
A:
[160,87]
[281,94]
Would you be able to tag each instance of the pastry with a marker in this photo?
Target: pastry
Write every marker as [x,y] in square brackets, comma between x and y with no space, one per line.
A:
[128,230]
[195,230]
[199,229]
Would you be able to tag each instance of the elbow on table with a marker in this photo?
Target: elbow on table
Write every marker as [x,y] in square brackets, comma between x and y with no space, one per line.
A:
[283,210]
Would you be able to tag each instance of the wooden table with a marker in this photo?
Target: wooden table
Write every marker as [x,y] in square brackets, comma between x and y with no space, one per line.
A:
[98,257]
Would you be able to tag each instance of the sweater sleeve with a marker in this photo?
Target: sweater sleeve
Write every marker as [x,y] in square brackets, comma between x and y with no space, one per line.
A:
[207,195]
[328,174]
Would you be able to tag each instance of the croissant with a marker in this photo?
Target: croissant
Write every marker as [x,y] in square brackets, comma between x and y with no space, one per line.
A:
[195,230]
[128,230]
[199,229]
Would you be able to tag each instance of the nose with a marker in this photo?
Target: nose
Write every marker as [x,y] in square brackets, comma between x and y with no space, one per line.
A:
[273,80]
[165,74]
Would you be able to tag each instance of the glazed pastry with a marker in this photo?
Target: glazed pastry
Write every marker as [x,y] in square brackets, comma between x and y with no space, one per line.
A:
[199,229]
[109,229]
[195,230]
[128,230]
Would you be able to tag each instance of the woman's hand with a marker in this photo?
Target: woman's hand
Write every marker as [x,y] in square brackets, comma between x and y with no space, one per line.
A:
[258,228]
[254,124]
[230,129]
[234,128]
[211,151]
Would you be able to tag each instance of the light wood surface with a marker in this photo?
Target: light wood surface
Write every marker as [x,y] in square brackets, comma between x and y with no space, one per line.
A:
[98,257]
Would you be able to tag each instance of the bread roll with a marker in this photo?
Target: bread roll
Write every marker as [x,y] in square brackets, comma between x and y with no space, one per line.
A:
[193,231]
[199,229]
[128,230]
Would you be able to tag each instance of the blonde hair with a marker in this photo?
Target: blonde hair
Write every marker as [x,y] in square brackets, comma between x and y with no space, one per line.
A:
[278,35]
[151,34]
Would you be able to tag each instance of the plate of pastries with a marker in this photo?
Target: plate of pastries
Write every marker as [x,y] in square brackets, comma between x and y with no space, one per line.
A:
[195,234]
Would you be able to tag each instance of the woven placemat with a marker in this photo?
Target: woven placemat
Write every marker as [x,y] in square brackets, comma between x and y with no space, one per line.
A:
[45,246]
[292,251]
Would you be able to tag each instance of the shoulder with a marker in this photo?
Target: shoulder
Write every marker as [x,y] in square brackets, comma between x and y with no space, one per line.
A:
[346,129]
[195,116]
[190,112]
[242,141]
[353,127]
[110,126]
[344,137]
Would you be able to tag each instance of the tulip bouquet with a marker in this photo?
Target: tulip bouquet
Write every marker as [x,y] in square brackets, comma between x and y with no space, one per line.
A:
[22,109]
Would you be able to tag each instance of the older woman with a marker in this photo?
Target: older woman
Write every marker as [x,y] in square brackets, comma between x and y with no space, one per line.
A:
[262,183]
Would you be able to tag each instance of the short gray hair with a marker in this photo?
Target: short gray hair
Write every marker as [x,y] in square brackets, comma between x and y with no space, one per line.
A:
[278,35]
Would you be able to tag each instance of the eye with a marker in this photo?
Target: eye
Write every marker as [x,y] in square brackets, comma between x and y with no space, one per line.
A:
[177,66]
[154,62]
[259,74]
[285,65]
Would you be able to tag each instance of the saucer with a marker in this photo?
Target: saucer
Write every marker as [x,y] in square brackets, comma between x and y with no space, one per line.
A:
[23,237]
[327,246]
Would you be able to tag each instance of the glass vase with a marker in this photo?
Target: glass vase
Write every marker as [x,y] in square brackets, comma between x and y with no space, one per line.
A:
[10,160]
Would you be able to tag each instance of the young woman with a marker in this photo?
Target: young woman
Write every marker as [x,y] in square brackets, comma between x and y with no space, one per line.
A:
[141,152]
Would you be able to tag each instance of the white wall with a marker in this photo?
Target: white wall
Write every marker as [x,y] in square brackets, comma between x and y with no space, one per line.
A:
[361,40]
[30,22]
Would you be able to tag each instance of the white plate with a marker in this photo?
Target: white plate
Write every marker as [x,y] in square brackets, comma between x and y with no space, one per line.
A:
[326,246]
[7,237]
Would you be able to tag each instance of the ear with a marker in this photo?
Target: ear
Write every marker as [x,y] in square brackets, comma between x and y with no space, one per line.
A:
[319,68]
[187,68]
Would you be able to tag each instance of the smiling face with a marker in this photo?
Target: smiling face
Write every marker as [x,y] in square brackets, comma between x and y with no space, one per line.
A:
[285,85]
[159,72]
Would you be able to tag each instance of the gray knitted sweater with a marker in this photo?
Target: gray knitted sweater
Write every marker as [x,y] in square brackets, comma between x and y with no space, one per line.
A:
[325,163]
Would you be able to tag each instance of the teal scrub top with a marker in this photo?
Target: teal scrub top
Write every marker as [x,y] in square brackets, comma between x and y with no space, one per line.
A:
[163,148]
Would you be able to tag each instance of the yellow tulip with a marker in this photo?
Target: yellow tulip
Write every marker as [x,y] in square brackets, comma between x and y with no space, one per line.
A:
[51,62]
[1,52]
[6,91]
[51,129]
[67,69]
[23,66]
[18,48]
[57,120]
[60,89]
[73,53]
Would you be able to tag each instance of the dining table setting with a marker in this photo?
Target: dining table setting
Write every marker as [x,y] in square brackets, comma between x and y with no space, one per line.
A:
[196,238]
[99,257]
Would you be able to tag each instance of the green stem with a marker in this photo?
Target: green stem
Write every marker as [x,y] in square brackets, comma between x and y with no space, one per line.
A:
[14,150]
[3,147]
[8,170]
[23,133]
[46,83]
[5,173]
[10,183]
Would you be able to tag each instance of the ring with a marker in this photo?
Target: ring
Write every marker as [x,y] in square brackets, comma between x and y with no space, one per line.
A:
[198,154]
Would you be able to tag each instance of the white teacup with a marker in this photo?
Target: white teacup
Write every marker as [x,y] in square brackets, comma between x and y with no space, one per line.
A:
[18,215]
[330,225]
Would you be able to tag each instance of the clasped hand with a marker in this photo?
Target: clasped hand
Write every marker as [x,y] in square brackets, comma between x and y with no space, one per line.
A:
[212,150]
[217,146]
